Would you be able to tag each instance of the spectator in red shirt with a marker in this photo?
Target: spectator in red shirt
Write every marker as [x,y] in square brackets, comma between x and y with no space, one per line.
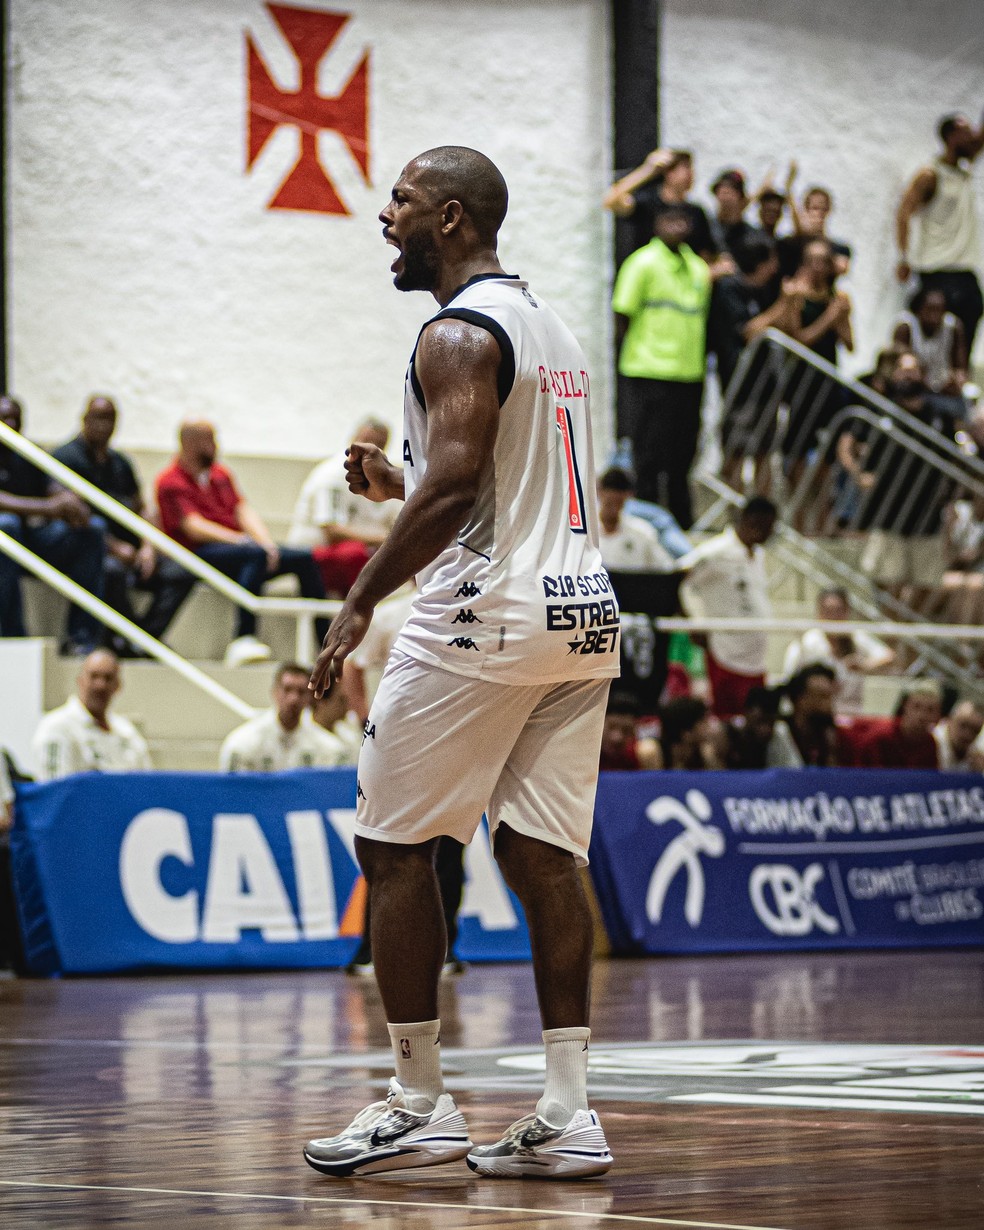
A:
[906,742]
[202,508]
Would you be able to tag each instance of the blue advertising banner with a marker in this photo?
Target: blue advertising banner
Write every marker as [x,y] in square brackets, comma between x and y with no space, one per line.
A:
[252,870]
[805,858]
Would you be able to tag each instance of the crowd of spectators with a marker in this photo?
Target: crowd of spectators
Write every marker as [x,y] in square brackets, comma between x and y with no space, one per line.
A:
[703,284]
[795,725]
[198,502]
[699,288]
[699,283]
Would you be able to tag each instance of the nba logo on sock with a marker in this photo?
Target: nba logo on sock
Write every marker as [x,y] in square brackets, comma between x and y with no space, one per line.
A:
[405,1048]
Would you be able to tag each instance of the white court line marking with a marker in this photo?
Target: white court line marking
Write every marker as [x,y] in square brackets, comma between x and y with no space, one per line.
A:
[398,1204]
[844,1102]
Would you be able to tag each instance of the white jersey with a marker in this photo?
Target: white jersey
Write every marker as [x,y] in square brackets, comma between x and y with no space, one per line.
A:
[947,224]
[728,581]
[326,500]
[521,596]
[934,353]
[634,547]
[261,745]
[70,740]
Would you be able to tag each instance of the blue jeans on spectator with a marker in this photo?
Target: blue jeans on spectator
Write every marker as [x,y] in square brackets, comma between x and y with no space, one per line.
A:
[246,563]
[76,552]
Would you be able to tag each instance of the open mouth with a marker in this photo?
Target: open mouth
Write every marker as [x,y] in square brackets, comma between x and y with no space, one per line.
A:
[399,256]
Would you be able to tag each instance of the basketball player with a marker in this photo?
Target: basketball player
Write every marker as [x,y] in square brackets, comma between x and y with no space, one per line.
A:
[494,694]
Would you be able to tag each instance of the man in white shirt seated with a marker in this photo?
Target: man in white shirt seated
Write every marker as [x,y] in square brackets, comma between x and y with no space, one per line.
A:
[726,579]
[341,529]
[957,738]
[82,736]
[851,656]
[284,736]
[628,543]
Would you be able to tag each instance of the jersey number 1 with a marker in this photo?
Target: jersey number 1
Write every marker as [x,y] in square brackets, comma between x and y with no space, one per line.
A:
[575,494]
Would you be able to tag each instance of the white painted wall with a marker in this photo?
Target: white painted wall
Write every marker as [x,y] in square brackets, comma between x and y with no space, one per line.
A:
[853,91]
[144,262]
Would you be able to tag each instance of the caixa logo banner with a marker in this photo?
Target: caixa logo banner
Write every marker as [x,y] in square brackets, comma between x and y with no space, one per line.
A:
[129,871]
[721,862]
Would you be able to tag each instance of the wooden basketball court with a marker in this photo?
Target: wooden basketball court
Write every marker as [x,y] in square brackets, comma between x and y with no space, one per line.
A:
[813,1092]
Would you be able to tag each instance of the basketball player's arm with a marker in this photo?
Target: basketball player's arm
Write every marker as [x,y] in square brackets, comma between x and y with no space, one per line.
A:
[457,366]
[918,194]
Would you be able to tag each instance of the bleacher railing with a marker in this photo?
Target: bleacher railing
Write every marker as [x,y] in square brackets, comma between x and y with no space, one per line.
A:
[784,412]
[74,592]
[303,610]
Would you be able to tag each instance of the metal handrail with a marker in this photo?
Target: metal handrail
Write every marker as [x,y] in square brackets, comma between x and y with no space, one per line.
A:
[841,627]
[119,623]
[149,532]
[808,558]
[864,395]
[304,610]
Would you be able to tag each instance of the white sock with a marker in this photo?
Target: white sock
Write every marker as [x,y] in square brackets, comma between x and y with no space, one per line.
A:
[565,1090]
[417,1052]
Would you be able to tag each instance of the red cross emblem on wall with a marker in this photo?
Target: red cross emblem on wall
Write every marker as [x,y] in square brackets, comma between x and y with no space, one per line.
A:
[310,33]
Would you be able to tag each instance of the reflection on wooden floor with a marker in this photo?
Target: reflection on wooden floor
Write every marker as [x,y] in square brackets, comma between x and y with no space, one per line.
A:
[145,1101]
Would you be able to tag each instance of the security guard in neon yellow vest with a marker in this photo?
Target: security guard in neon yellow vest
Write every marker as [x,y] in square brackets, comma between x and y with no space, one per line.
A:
[662,294]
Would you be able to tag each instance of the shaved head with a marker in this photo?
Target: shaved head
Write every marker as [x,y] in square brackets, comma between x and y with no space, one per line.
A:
[197,440]
[457,173]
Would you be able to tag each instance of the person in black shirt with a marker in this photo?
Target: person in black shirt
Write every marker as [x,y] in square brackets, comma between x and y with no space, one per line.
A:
[742,742]
[901,496]
[663,180]
[729,230]
[743,307]
[54,524]
[810,222]
[129,562]
[771,206]
[739,304]
[823,323]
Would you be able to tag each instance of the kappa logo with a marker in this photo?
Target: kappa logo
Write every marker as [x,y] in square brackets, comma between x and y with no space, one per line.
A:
[368,730]
[683,853]
[466,617]
[468,590]
[463,642]
[310,34]
[359,792]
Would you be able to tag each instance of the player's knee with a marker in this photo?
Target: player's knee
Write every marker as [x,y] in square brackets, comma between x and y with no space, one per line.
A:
[527,864]
[386,861]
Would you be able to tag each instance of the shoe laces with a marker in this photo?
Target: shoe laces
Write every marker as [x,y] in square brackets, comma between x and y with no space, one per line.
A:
[378,1110]
[530,1130]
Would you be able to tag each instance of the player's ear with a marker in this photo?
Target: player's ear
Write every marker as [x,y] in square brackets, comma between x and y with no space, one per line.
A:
[451,216]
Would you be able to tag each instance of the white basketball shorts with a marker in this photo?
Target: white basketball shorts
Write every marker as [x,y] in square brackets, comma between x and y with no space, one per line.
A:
[441,749]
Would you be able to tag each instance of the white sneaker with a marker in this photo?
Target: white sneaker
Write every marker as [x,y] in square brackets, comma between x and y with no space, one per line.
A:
[533,1149]
[246,649]
[387,1136]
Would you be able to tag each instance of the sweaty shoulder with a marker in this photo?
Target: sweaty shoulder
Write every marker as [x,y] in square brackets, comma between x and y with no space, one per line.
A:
[456,353]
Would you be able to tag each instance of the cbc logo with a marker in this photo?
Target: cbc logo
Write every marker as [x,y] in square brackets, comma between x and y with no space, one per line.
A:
[785,901]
